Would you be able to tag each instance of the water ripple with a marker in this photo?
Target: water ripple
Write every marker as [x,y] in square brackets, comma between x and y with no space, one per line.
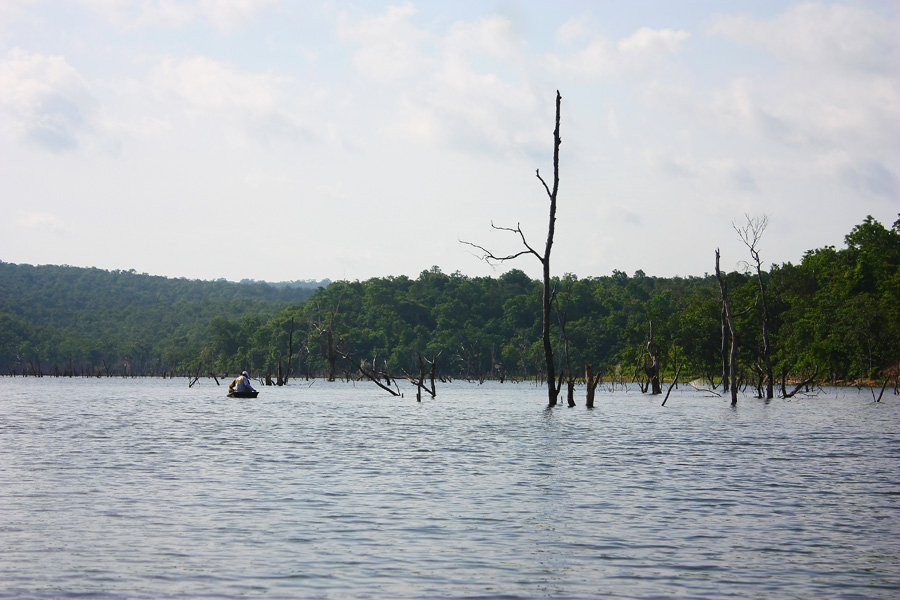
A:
[147,489]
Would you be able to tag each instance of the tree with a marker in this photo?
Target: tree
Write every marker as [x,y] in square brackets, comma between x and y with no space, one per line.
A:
[728,327]
[544,258]
[750,234]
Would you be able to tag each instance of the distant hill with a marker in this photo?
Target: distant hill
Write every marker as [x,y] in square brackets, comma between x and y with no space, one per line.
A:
[310,284]
[46,309]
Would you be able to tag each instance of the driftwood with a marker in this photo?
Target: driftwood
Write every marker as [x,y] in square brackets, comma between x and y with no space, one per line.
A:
[709,390]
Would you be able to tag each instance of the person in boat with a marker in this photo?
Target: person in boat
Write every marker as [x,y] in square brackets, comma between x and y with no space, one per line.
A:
[241,383]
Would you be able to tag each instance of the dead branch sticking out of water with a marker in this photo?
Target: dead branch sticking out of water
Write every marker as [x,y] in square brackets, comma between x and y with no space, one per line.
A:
[674,381]
[799,386]
[375,377]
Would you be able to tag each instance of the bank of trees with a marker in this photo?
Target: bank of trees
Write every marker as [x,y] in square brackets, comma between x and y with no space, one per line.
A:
[833,317]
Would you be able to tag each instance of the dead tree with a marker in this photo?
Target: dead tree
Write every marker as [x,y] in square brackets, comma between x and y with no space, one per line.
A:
[284,376]
[591,381]
[372,376]
[728,318]
[750,234]
[806,382]
[552,386]
[651,366]
[330,352]
[566,373]
[671,385]
[420,381]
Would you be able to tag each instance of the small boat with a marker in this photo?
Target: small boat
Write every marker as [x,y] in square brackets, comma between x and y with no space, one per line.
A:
[233,394]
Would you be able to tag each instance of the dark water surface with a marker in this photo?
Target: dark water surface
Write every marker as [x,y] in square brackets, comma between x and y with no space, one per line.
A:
[149,489]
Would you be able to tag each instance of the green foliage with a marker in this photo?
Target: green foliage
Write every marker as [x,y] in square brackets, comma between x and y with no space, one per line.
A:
[837,311]
[68,319]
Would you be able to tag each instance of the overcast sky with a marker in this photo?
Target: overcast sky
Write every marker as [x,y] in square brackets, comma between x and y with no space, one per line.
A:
[280,140]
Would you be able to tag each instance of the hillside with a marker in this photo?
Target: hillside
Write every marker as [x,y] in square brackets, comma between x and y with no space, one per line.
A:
[49,311]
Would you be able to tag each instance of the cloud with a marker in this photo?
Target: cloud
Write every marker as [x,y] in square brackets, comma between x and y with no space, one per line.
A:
[389,44]
[653,43]
[262,104]
[490,37]
[603,58]
[830,88]
[46,100]
[225,15]
[40,221]
[462,85]
[872,177]
[13,10]
[838,36]
[572,30]
[231,15]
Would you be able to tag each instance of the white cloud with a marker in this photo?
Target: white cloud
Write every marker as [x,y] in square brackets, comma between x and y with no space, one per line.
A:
[833,90]
[263,105]
[572,30]
[462,86]
[231,15]
[490,37]
[46,100]
[388,44]
[40,221]
[226,15]
[653,42]
[603,58]
[834,36]
[13,10]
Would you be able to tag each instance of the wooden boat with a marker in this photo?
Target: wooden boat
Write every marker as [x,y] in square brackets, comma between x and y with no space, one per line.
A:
[233,394]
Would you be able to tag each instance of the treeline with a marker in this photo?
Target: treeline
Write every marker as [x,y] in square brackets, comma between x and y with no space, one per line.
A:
[834,317]
[70,320]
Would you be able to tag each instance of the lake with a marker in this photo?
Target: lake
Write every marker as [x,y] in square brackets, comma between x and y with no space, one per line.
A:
[146,488]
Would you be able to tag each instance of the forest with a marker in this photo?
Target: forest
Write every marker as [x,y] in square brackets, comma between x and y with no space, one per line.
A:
[832,318]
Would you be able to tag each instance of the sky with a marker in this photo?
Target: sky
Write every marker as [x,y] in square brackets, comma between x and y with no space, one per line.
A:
[282,140]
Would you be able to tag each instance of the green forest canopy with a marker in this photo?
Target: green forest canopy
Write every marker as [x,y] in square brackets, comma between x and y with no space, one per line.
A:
[837,313]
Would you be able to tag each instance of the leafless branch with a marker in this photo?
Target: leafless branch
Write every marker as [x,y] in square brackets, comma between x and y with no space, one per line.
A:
[488,256]
[546,187]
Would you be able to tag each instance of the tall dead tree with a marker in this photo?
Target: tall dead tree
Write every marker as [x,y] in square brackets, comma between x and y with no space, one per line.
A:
[553,386]
[750,234]
[728,319]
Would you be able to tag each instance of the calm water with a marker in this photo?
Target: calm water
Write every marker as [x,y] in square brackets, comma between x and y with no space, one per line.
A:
[149,489]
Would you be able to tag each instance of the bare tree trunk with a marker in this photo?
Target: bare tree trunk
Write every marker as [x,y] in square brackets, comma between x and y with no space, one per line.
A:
[287,373]
[592,383]
[553,387]
[674,381]
[725,374]
[652,368]
[568,375]
[726,307]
